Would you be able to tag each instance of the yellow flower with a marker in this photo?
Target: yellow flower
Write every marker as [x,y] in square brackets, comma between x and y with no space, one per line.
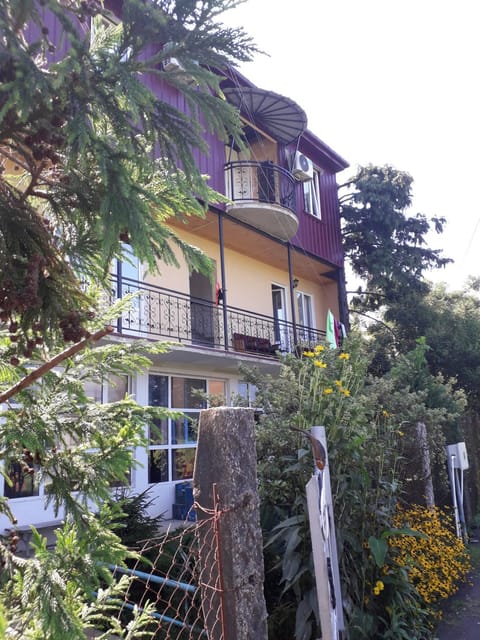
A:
[308,354]
[385,414]
[319,348]
[338,383]
[328,390]
[320,364]
[378,588]
[345,392]
[344,356]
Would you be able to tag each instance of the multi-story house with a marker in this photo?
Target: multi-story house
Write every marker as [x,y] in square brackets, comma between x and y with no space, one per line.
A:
[278,261]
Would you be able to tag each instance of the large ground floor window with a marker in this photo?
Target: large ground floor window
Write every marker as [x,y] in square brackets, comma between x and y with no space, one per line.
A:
[21,476]
[173,441]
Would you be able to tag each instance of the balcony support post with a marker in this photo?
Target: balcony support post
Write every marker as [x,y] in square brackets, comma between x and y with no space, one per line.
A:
[292,294]
[119,292]
[224,288]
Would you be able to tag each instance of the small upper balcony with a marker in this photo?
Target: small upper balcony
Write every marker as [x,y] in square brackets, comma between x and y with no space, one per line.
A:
[262,194]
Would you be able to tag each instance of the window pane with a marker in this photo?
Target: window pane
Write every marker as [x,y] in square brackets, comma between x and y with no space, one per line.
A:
[311,196]
[183,393]
[308,310]
[301,315]
[243,390]
[23,484]
[117,388]
[158,432]
[184,430]
[158,391]
[307,196]
[93,390]
[158,466]
[183,461]
[125,483]
[216,388]
[248,392]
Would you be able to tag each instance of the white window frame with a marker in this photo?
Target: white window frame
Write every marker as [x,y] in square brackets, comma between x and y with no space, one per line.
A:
[170,446]
[101,396]
[248,392]
[311,195]
[306,318]
[108,21]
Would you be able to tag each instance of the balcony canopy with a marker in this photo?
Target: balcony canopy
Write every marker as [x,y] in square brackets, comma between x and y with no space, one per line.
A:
[277,115]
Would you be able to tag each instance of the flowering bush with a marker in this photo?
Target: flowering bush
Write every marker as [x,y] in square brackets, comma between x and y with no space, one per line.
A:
[326,379]
[436,562]
[367,422]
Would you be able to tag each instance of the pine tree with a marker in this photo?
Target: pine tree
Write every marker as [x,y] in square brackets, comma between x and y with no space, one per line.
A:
[89,155]
[53,431]
[89,160]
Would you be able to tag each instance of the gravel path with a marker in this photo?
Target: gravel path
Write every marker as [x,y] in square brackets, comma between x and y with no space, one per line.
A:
[461,620]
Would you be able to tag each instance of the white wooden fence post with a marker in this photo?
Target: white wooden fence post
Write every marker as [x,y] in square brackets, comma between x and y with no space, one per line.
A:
[324,545]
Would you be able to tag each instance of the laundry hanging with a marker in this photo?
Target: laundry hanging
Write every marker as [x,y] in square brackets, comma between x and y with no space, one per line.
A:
[330,330]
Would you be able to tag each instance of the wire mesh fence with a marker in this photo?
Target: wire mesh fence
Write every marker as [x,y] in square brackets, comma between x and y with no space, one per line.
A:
[179,572]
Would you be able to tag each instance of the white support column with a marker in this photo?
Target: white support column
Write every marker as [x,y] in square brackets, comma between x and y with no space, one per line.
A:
[324,545]
[140,391]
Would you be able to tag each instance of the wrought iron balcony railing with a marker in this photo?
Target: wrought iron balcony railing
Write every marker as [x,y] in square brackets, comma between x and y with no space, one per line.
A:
[164,314]
[263,182]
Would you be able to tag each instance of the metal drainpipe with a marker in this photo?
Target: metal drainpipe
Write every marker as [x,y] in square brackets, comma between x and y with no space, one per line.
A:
[342,299]
[119,293]
[224,289]
[292,297]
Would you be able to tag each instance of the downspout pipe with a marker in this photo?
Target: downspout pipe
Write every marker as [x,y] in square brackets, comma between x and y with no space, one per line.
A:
[224,281]
[292,294]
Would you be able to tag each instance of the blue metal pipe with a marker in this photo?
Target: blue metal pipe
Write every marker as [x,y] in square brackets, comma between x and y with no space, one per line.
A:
[152,578]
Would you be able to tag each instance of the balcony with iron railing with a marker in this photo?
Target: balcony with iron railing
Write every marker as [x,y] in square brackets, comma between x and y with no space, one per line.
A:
[162,314]
[262,194]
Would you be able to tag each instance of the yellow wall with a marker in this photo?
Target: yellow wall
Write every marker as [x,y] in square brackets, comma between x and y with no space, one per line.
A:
[249,282]
[177,278]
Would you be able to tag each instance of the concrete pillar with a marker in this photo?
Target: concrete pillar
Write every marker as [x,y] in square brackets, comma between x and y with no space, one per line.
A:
[425,464]
[225,481]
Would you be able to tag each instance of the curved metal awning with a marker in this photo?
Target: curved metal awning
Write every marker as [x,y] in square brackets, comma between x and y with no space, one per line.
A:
[277,115]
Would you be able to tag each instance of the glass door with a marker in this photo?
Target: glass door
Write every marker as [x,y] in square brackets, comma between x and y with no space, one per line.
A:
[128,277]
[202,309]
[280,325]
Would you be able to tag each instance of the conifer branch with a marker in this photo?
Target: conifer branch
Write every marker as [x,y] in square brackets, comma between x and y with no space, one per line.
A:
[44,368]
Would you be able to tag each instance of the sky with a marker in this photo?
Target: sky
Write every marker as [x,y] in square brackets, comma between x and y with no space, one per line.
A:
[386,82]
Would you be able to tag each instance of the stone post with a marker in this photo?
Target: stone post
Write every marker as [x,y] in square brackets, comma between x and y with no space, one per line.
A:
[425,465]
[225,481]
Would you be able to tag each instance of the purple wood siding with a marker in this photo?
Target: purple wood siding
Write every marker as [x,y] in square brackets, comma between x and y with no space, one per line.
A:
[318,237]
[55,33]
[321,237]
[210,163]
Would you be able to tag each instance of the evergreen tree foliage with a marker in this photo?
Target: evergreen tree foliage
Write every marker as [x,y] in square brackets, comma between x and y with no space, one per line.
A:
[386,247]
[90,155]
[54,432]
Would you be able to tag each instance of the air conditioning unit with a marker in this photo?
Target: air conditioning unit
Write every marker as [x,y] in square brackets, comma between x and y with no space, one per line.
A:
[302,167]
[172,64]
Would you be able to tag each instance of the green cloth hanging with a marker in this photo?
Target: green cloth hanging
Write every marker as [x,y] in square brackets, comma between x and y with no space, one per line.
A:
[330,333]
